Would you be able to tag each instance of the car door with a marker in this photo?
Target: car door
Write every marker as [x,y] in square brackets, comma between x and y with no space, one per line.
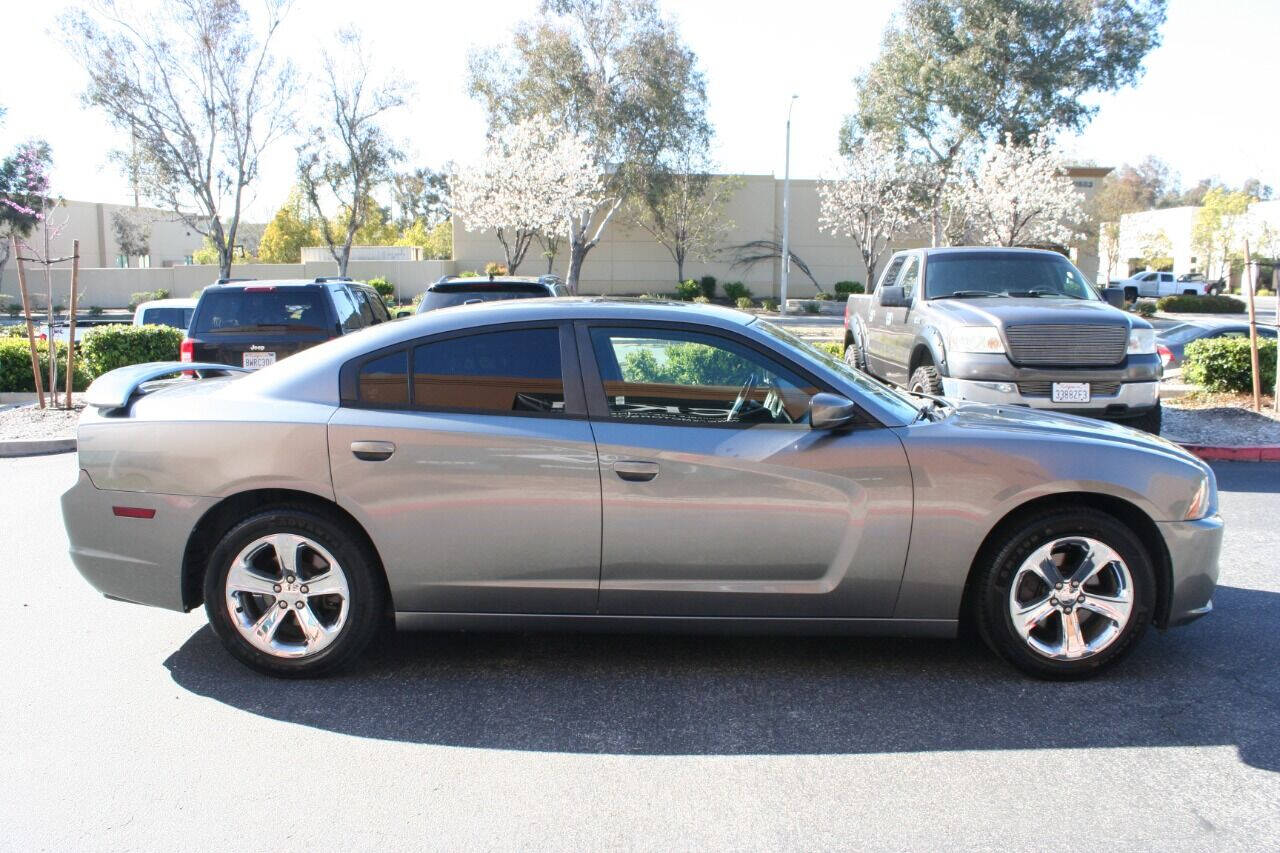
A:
[900,337]
[1149,285]
[718,499]
[879,335]
[1168,286]
[469,459]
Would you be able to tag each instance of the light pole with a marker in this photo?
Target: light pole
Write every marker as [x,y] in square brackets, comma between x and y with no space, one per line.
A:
[786,213]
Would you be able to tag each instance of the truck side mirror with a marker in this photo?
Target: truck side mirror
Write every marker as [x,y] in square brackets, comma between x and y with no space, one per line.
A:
[893,297]
[1114,296]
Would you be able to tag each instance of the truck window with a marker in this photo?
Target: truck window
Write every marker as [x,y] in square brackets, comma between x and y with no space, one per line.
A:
[910,277]
[891,272]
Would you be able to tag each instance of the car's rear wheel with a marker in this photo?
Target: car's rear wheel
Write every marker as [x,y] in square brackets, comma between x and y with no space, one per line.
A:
[853,355]
[1068,593]
[293,593]
[926,380]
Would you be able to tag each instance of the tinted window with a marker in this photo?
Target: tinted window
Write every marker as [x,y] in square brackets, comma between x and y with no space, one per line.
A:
[496,372]
[892,271]
[447,296]
[179,318]
[380,312]
[362,305]
[240,310]
[348,313]
[1181,333]
[1005,273]
[689,378]
[910,278]
[385,380]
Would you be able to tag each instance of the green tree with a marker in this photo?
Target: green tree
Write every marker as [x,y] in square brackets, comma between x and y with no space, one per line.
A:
[612,71]
[288,232]
[436,242]
[1217,234]
[956,74]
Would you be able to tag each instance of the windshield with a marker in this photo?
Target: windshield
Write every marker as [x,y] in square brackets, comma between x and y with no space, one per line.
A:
[907,407]
[243,310]
[448,297]
[1024,274]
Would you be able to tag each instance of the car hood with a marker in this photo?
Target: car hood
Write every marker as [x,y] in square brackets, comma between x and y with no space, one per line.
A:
[1022,420]
[1032,311]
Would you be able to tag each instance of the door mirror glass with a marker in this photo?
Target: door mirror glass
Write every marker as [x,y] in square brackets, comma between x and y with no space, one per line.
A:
[831,411]
[893,297]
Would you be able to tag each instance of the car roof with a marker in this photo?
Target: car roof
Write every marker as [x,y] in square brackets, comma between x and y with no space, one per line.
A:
[498,279]
[948,250]
[168,303]
[282,282]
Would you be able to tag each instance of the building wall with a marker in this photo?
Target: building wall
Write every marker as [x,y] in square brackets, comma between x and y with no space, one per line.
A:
[1175,223]
[90,222]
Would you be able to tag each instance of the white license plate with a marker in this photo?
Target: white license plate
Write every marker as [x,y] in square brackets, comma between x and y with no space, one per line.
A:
[1071,392]
[254,360]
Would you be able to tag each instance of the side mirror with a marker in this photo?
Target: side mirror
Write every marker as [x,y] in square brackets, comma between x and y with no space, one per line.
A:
[893,297]
[831,411]
[1114,296]
[400,315]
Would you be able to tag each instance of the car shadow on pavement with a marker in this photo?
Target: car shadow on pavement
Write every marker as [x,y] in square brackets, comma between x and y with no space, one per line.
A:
[1211,683]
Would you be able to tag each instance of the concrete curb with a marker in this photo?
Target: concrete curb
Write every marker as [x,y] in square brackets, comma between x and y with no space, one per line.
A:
[1211,453]
[36,447]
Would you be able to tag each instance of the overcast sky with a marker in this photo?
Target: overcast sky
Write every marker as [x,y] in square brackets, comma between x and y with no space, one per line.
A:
[1207,104]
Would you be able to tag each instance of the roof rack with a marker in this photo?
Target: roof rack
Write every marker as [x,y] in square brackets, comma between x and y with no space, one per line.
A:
[324,279]
[233,280]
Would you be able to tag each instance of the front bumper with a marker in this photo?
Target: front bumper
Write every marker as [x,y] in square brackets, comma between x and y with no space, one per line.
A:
[1129,400]
[1194,547]
[134,559]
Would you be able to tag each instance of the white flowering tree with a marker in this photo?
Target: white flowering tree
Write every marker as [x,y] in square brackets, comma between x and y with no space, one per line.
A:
[1020,195]
[531,181]
[870,200]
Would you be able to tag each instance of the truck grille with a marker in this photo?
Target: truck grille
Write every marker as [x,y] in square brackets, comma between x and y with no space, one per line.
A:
[1067,345]
[1045,389]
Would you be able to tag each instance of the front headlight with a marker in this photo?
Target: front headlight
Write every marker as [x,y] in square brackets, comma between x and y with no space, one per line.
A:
[1204,501]
[975,339]
[1142,342]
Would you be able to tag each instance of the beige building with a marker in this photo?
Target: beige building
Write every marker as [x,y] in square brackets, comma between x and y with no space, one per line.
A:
[1170,230]
[171,241]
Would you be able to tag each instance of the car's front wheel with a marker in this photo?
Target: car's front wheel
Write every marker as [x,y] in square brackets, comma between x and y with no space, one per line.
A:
[293,593]
[1068,593]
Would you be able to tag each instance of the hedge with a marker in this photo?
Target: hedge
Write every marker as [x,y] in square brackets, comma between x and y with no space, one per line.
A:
[15,366]
[109,347]
[1184,304]
[1223,364]
[844,288]
[142,296]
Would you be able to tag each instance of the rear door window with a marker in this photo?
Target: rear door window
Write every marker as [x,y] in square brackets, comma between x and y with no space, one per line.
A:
[363,306]
[384,381]
[348,314]
[895,266]
[515,371]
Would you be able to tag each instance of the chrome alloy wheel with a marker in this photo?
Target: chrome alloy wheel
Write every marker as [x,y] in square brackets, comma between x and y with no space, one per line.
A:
[287,595]
[1071,598]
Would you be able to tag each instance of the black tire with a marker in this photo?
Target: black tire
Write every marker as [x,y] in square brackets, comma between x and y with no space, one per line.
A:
[853,355]
[992,592]
[366,598]
[1150,421]
[926,380]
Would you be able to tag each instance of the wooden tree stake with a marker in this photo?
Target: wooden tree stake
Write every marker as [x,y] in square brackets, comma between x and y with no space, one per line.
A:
[31,332]
[71,331]
[1253,332]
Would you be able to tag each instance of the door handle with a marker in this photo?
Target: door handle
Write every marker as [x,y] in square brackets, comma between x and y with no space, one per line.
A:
[636,472]
[372,451]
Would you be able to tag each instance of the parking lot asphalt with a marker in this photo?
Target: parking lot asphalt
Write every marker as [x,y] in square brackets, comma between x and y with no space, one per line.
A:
[129,728]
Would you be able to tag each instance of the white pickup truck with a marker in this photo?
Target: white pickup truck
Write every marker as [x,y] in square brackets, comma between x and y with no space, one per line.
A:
[1157,284]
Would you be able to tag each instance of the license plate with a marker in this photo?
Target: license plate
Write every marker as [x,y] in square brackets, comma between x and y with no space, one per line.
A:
[1071,392]
[255,360]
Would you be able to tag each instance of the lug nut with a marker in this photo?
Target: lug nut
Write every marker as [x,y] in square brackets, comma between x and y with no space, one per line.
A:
[289,578]
[1058,585]
[300,605]
[276,587]
[304,589]
[284,604]
[1054,602]
[1080,599]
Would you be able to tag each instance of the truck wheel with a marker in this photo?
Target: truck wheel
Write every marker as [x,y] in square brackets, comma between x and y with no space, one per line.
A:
[1150,421]
[853,356]
[926,380]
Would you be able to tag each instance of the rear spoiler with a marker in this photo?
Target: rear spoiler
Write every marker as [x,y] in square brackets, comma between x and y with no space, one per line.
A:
[114,389]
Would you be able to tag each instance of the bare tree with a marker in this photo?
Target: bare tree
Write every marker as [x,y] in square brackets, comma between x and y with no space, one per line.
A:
[747,255]
[132,232]
[197,85]
[350,154]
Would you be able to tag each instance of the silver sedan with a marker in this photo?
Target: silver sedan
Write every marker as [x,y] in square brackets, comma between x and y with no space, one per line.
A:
[607,464]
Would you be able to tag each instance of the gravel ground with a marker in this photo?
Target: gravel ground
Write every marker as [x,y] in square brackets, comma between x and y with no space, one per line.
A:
[1220,427]
[26,423]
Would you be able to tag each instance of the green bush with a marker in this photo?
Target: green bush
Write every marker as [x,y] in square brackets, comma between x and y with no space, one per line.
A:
[811,307]
[702,300]
[385,289]
[96,311]
[768,305]
[735,290]
[1223,364]
[13,309]
[1262,291]
[1184,304]
[142,296]
[832,348]
[708,286]
[108,347]
[688,289]
[844,288]
[1144,308]
[744,303]
[15,366]
[822,296]
[17,330]
[468,274]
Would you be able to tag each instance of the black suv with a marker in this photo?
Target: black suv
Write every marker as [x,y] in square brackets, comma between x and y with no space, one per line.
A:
[462,290]
[253,324]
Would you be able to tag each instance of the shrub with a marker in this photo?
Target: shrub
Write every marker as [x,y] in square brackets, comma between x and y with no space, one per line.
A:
[811,306]
[17,330]
[15,366]
[831,348]
[735,290]
[195,294]
[822,296]
[385,289]
[844,288]
[1262,291]
[142,296]
[494,268]
[744,303]
[1223,364]
[13,309]
[688,289]
[96,311]
[468,274]
[1201,305]
[708,286]
[702,300]
[768,305]
[109,347]
[1144,308]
